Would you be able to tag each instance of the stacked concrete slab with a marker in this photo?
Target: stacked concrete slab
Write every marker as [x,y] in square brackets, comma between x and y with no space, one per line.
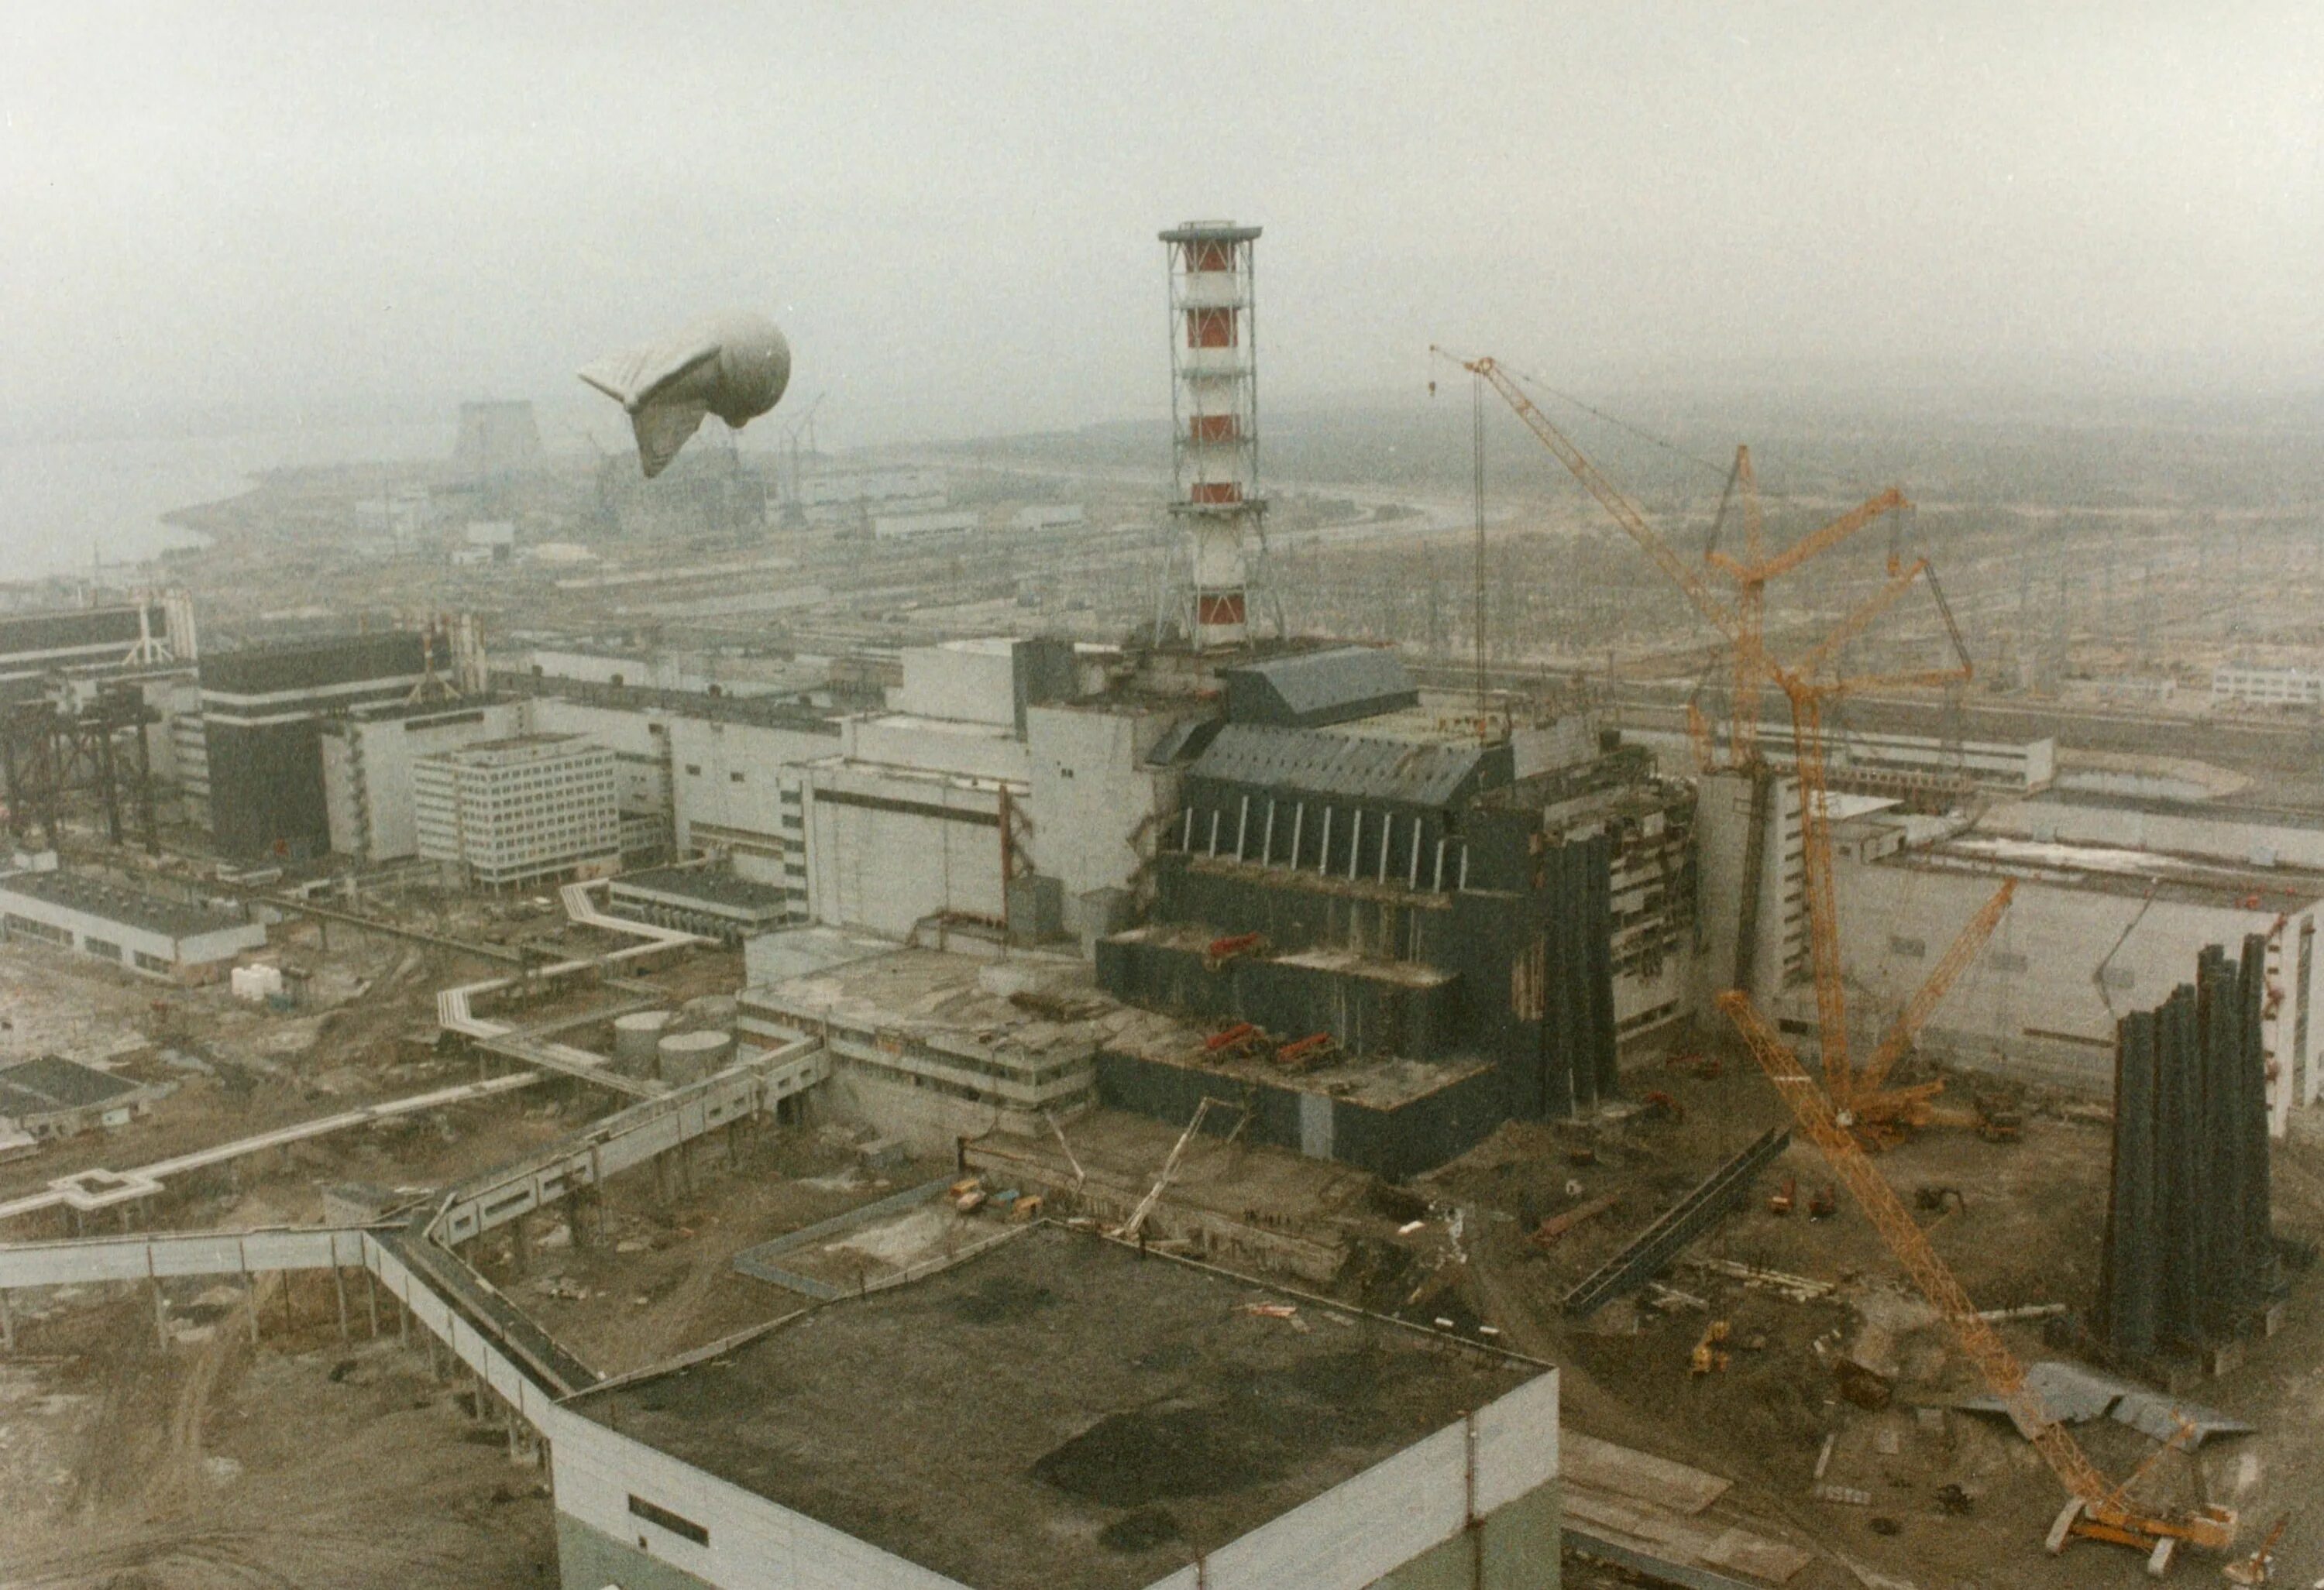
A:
[2189,1260]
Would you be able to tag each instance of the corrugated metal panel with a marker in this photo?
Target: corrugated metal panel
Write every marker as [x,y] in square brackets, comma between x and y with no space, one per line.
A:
[2189,1255]
[1317,763]
[1319,688]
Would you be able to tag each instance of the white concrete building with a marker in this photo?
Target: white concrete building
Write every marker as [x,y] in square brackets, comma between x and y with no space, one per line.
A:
[367,768]
[516,811]
[905,527]
[149,935]
[2267,687]
[1777,919]
[2091,935]
[1093,798]
[904,825]
[738,789]
[999,758]
[2218,831]
[638,734]
[1049,516]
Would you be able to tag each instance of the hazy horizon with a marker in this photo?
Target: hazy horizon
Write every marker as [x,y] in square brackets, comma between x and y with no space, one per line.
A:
[349,214]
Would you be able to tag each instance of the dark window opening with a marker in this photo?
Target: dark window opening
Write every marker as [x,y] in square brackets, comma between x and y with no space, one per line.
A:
[668,1520]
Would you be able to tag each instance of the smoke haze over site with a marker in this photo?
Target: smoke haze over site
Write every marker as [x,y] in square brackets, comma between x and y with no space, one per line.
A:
[333,213]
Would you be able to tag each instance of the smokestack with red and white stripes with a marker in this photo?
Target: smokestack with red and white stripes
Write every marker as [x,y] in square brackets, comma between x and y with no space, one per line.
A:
[1215,420]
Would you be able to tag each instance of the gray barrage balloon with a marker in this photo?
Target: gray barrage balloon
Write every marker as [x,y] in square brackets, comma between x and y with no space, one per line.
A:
[734,366]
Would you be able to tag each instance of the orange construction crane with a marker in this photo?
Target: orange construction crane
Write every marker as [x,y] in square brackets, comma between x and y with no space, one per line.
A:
[1744,623]
[1810,693]
[1751,574]
[1625,513]
[2095,1509]
[1876,1108]
[1804,682]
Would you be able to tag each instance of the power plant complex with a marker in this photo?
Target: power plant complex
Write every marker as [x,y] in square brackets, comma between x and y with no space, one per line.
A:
[936,1021]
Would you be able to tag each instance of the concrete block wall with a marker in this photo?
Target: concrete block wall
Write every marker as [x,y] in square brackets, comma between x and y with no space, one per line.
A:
[1722,831]
[728,777]
[885,852]
[972,680]
[1091,800]
[2041,999]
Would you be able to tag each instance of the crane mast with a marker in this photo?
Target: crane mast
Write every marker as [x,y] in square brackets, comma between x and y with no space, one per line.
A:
[1625,512]
[2097,1509]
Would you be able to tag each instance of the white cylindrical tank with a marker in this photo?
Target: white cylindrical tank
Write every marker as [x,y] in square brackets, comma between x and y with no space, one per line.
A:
[689,1057]
[636,1034]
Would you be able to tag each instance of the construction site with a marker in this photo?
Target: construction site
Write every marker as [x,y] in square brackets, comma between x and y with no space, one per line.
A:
[931,1018]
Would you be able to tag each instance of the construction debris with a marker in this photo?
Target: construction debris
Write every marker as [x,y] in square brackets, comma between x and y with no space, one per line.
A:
[1660,1243]
[1557,1226]
[2074,1394]
[1800,1289]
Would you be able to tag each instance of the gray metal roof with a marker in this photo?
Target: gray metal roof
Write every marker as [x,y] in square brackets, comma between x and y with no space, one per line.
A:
[51,1083]
[1310,761]
[1182,742]
[1319,688]
[155,914]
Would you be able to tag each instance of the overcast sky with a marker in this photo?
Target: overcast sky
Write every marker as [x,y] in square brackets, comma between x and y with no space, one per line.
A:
[294,209]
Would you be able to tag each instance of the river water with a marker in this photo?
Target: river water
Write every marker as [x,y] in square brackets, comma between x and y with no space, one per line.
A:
[62,500]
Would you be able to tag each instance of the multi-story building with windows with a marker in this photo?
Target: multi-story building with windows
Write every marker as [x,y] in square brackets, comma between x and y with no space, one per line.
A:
[519,810]
[2268,687]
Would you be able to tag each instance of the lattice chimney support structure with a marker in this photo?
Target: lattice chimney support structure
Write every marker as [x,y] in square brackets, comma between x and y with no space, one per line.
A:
[1214,422]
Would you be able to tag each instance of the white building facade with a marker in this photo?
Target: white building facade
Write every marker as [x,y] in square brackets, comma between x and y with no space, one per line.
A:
[519,811]
[2267,687]
[2078,948]
[367,769]
[149,934]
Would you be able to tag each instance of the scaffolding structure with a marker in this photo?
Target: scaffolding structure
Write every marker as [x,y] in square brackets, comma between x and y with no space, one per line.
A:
[49,751]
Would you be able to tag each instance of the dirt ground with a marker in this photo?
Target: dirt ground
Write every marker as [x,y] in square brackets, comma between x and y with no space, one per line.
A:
[301,1461]
[2026,1229]
[207,1450]
[658,1277]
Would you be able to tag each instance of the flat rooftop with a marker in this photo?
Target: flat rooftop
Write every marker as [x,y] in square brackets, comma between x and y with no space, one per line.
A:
[2118,871]
[2217,809]
[1058,1411]
[1402,974]
[97,897]
[42,1087]
[1042,1007]
[772,712]
[710,886]
[1377,1081]
[1036,1004]
[520,742]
